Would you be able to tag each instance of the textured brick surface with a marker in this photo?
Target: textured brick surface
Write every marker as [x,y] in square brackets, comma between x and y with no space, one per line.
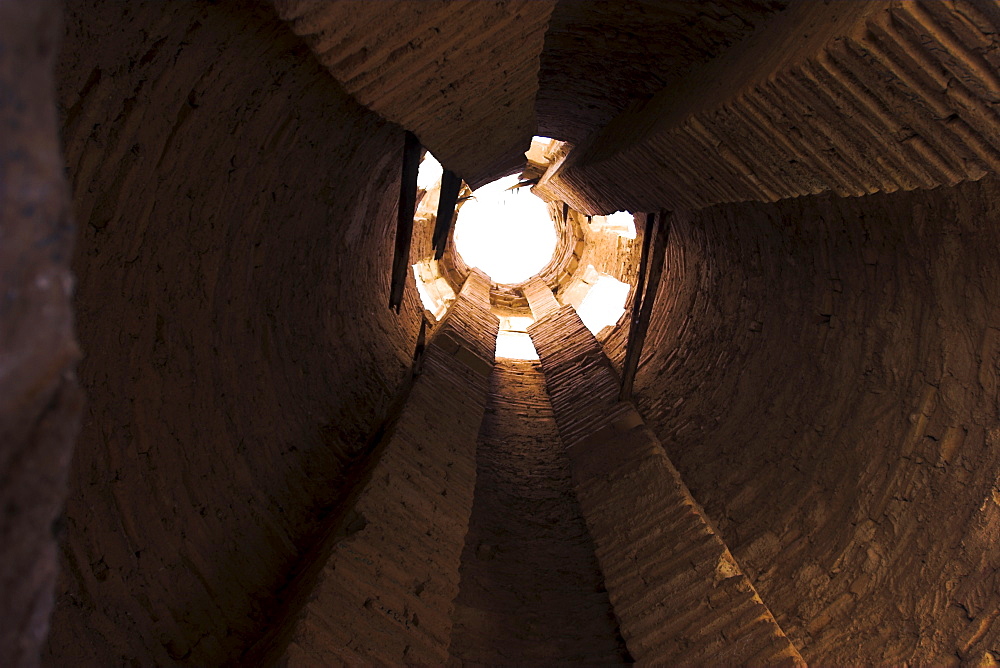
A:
[540,298]
[823,372]
[386,593]
[39,398]
[846,97]
[680,596]
[532,592]
[236,212]
[601,55]
[822,369]
[430,66]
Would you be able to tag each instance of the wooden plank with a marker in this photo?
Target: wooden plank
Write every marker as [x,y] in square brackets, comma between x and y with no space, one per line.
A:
[653,255]
[404,221]
[451,184]
[640,286]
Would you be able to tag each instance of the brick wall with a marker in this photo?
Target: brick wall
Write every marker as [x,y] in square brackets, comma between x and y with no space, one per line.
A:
[434,71]
[599,57]
[678,593]
[236,213]
[823,373]
[387,589]
[849,98]
[532,592]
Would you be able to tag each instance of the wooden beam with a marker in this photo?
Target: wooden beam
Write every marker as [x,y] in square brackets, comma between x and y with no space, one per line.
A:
[640,286]
[451,184]
[404,220]
[654,247]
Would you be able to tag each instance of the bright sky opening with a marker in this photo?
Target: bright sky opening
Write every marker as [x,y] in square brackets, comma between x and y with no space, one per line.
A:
[434,290]
[513,341]
[623,223]
[515,346]
[604,303]
[506,233]
[429,173]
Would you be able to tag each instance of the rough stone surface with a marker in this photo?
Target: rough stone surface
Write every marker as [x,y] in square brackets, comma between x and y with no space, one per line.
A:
[236,211]
[39,398]
[823,372]
[532,592]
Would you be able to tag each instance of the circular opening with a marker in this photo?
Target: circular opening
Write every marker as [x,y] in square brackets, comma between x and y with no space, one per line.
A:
[506,233]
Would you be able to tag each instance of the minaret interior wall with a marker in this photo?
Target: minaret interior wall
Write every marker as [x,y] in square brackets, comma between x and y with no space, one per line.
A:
[236,213]
[823,372]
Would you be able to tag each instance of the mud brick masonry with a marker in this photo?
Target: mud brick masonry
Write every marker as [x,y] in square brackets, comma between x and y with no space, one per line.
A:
[219,446]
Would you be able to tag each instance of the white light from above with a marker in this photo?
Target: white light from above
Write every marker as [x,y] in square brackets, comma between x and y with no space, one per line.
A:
[435,293]
[604,303]
[506,233]
[515,346]
[429,174]
[623,223]
[513,341]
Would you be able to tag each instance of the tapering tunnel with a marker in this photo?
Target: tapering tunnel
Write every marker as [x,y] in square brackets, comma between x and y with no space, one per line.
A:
[219,445]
